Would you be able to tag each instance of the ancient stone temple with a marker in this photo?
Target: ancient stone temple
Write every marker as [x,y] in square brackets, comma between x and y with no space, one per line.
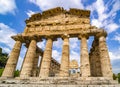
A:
[59,23]
[74,69]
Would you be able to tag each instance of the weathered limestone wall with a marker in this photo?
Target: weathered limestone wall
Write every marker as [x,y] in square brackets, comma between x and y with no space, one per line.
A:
[54,68]
[99,57]
[94,56]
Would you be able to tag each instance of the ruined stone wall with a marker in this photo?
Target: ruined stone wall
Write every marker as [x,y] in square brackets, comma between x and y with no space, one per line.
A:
[95,65]
[54,68]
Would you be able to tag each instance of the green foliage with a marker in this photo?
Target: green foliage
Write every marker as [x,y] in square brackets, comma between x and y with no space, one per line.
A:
[3,59]
[114,77]
[0,50]
[1,70]
[119,77]
[16,73]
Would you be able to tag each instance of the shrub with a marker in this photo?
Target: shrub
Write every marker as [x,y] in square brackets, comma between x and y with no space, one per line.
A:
[114,77]
[16,73]
[119,77]
[1,70]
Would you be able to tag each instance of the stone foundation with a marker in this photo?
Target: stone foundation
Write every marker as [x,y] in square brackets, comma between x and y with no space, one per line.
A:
[59,82]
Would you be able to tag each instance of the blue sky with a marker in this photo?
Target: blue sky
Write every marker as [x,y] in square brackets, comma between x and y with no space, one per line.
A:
[104,14]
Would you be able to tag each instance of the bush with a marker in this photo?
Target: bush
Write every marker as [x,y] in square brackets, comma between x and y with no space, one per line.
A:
[119,77]
[16,73]
[1,70]
[114,77]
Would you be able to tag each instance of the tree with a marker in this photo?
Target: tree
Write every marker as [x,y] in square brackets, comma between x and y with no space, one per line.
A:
[114,77]
[3,58]
[1,70]
[119,77]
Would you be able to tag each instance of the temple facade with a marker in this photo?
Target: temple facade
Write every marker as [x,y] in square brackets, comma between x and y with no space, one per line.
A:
[59,23]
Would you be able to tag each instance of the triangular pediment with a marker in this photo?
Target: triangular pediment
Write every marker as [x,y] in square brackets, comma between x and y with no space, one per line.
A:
[57,20]
[58,12]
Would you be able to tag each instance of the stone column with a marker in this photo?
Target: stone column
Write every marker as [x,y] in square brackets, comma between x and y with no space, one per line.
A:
[12,61]
[28,61]
[45,66]
[35,65]
[104,57]
[64,67]
[84,61]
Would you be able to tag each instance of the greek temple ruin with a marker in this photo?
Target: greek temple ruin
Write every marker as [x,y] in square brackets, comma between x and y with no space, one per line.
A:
[60,23]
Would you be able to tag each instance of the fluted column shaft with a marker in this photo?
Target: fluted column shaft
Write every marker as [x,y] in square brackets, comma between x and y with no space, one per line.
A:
[12,61]
[104,58]
[64,67]
[29,59]
[45,66]
[84,61]
[35,64]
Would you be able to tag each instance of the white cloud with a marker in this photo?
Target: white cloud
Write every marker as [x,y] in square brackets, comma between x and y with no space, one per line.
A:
[7,6]
[114,55]
[116,70]
[41,44]
[74,43]
[6,49]
[75,56]
[47,4]
[112,27]
[5,37]
[56,55]
[105,15]
[117,37]
[96,22]
[29,13]
[58,43]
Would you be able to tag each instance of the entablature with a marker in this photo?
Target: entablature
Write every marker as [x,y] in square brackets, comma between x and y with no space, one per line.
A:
[57,11]
[58,34]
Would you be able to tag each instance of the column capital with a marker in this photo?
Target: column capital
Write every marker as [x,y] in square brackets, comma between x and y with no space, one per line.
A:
[51,37]
[104,33]
[35,37]
[83,36]
[65,36]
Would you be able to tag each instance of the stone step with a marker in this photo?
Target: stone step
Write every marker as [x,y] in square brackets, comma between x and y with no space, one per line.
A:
[38,85]
[70,82]
[53,82]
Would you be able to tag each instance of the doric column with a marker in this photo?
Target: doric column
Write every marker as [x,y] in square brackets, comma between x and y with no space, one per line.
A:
[104,57]
[64,67]
[84,60]
[35,65]
[45,66]
[12,61]
[28,61]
